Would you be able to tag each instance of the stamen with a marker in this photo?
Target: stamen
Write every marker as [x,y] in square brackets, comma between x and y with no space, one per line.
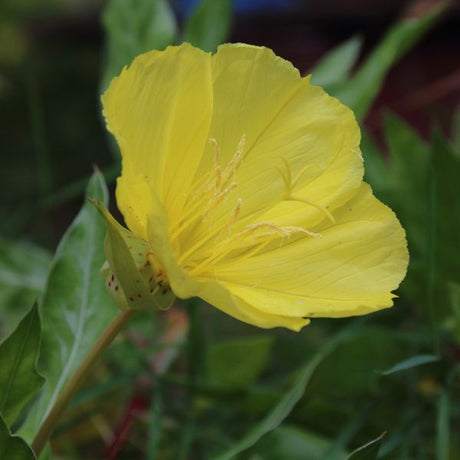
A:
[211,190]
[290,184]
[315,205]
[274,229]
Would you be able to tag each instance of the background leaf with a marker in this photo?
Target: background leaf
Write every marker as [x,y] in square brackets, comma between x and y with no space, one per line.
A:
[237,363]
[289,442]
[13,447]
[19,379]
[209,24]
[133,27]
[23,269]
[335,66]
[360,91]
[76,307]
[290,397]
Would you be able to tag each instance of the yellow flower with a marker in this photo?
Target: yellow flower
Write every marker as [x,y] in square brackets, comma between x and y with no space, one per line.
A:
[244,182]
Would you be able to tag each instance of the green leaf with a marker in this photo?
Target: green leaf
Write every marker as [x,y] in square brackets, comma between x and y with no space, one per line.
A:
[369,451]
[13,447]
[420,180]
[289,442]
[284,407]
[410,363]
[19,379]
[336,65]
[377,171]
[238,363]
[446,167]
[76,307]
[133,27]
[23,269]
[209,24]
[443,427]
[409,179]
[360,91]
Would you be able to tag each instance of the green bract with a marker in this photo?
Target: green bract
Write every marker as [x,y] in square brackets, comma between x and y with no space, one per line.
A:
[131,280]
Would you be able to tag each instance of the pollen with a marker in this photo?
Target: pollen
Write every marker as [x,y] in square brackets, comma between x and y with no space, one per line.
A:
[223,236]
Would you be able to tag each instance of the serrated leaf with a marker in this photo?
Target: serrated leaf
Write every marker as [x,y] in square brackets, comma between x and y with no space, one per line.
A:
[284,407]
[19,379]
[209,25]
[13,447]
[238,363]
[23,269]
[421,180]
[410,363]
[131,279]
[360,91]
[369,451]
[76,307]
[336,65]
[133,27]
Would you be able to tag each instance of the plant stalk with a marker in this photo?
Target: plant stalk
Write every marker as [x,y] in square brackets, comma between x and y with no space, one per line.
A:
[77,379]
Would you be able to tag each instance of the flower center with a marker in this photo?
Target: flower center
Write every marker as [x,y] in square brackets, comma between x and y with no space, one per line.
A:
[215,239]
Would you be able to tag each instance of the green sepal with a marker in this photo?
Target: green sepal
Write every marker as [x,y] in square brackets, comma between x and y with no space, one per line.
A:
[131,280]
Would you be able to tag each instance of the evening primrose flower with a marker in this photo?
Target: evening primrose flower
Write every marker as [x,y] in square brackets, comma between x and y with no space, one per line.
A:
[242,184]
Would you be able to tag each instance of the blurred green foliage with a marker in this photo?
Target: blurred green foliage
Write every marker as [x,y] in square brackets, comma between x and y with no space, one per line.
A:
[19,378]
[200,384]
[13,447]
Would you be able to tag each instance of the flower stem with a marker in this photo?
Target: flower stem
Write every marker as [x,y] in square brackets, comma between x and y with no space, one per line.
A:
[80,375]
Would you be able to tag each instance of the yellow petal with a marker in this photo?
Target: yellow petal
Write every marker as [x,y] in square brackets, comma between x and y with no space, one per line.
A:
[350,270]
[222,298]
[159,110]
[287,123]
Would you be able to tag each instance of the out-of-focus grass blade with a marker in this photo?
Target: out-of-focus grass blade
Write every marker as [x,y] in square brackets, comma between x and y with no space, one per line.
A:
[209,25]
[42,154]
[13,447]
[369,451]
[349,430]
[443,427]
[410,363]
[290,398]
[155,422]
[19,379]
[336,65]
[76,306]
[133,27]
[360,91]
